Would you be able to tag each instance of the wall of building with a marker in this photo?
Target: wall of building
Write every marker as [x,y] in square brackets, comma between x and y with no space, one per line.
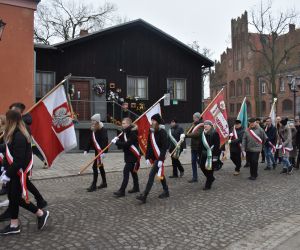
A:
[17,54]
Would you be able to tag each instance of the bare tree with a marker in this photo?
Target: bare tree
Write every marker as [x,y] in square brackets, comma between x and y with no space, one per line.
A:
[63,19]
[272,44]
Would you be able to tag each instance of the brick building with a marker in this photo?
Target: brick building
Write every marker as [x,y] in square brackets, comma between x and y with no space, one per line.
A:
[240,70]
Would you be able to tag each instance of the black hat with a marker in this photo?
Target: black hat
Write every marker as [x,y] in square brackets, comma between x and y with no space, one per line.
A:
[284,121]
[251,120]
[237,122]
[157,118]
[258,119]
[174,120]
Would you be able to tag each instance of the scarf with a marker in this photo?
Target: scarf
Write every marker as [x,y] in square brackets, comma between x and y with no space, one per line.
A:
[161,170]
[136,153]
[173,140]
[208,164]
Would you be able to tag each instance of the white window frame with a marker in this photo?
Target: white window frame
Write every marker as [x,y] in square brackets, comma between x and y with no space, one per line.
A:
[281,84]
[263,87]
[136,87]
[173,81]
[36,81]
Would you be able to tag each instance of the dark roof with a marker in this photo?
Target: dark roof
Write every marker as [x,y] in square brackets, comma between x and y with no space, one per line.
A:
[44,46]
[206,61]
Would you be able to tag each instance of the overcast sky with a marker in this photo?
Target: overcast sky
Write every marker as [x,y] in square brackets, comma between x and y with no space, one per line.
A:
[207,21]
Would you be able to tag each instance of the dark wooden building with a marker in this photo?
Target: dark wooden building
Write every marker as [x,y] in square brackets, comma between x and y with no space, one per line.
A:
[136,58]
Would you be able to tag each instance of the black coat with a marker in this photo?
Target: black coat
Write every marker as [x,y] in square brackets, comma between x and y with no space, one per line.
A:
[212,138]
[298,136]
[132,139]
[161,139]
[101,138]
[21,152]
[176,132]
[235,143]
[271,133]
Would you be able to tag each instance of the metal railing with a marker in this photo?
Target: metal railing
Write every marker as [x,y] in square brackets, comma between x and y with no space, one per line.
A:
[84,109]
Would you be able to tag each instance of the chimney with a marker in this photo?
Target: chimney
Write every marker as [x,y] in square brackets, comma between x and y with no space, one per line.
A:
[83,33]
[292,27]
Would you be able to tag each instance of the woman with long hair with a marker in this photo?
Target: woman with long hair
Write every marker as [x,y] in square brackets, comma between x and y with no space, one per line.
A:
[17,162]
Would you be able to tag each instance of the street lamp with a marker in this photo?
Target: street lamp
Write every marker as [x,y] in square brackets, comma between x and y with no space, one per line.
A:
[2,26]
[293,88]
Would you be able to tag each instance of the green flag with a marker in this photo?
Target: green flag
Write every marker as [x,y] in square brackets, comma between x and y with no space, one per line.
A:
[242,116]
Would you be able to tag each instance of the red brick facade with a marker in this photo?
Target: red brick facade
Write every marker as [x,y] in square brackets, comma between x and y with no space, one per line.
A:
[239,70]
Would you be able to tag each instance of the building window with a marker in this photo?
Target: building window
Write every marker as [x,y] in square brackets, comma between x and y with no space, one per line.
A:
[137,87]
[177,88]
[239,87]
[263,87]
[287,106]
[231,108]
[281,84]
[232,89]
[247,86]
[44,82]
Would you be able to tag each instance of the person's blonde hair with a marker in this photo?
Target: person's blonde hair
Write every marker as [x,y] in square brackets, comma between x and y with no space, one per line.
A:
[14,121]
[2,123]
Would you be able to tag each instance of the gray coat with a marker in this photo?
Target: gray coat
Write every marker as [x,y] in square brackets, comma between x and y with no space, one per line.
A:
[294,142]
[285,138]
[249,144]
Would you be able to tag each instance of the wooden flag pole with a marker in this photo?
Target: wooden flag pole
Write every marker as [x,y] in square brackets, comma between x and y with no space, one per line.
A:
[179,144]
[108,146]
[49,93]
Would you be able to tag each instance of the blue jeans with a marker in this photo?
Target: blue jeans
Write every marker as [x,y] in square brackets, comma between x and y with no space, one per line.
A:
[286,162]
[194,154]
[269,156]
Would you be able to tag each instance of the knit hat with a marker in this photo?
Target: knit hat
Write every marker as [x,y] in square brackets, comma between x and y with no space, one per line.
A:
[197,114]
[251,120]
[157,118]
[237,122]
[96,117]
[208,122]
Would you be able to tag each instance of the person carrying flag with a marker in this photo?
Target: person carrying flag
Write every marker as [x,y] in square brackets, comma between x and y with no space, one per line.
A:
[235,142]
[129,143]
[157,147]
[253,140]
[98,141]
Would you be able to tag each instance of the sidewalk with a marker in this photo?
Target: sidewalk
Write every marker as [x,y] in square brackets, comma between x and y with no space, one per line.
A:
[69,164]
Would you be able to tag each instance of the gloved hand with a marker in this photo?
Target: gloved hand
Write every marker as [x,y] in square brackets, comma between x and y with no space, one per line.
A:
[103,156]
[231,134]
[229,141]
[159,164]
[85,153]
[4,179]
[115,140]
[2,169]
[182,137]
[148,163]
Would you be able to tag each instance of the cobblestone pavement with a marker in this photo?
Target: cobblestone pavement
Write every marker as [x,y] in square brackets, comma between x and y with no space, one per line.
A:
[230,215]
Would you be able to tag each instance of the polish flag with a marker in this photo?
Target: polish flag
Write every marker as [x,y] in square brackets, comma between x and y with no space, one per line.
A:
[52,125]
[144,124]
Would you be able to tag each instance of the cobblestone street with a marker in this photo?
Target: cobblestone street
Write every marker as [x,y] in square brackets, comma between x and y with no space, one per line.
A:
[235,214]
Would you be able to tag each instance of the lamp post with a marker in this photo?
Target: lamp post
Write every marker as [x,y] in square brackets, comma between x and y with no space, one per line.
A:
[293,88]
[2,26]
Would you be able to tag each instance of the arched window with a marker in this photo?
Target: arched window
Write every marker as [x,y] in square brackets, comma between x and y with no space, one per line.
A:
[249,109]
[232,89]
[239,87]
[287,106]
[263,108]
[247,82]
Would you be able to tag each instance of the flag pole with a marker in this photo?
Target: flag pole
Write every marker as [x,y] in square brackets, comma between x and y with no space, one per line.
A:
[179,144]
[108,146]
[49,93]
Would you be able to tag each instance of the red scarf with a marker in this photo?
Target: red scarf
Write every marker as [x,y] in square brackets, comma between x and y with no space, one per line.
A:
[161,170]
[136,153]
[97,148]
[254,136]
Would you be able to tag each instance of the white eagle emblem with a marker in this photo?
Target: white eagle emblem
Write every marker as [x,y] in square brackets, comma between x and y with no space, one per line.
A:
[62,118]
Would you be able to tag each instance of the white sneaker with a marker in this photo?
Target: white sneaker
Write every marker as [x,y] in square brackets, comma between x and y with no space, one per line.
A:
[4,203]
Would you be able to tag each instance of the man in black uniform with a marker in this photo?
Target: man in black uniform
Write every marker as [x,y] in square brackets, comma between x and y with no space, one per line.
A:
[174,136]
[98,141]
[235,141]
[209,152]
[155,155]
[129,143]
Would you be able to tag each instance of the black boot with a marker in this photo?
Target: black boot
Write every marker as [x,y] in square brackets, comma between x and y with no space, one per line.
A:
[92,188]
[142,198]
[119,193]
[134,190]
[102,185]
[274,165]
[284,171]
[164,194]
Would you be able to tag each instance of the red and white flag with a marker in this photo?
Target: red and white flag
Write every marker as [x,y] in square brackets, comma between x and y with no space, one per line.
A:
[144,124]
[52,125]
[216,112]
